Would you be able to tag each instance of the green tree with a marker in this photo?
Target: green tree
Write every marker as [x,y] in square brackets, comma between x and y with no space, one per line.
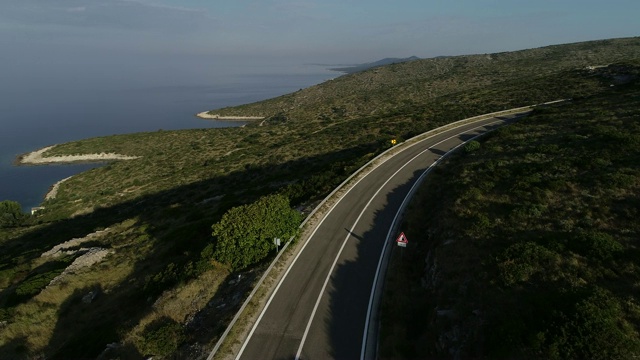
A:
[245,233]
[11,214]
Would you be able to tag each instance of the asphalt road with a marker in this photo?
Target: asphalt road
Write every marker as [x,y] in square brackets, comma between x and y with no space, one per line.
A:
[319,310]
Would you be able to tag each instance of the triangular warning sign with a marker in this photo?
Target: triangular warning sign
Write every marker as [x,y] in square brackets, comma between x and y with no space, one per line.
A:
[402,238]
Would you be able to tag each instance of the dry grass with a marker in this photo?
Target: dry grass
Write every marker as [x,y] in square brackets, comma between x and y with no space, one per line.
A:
[181,303]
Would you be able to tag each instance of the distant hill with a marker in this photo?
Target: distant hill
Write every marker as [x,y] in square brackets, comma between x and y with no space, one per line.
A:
[361,67]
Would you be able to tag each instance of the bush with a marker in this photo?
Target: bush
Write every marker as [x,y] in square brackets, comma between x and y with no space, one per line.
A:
[585,323]
[245,233]
[472,146]
[598,246]
[37,280]
[11,214]
[592,329]
[521,261]
[161,337]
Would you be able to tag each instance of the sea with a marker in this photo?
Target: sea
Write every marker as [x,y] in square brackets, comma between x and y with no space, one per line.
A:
[32,117]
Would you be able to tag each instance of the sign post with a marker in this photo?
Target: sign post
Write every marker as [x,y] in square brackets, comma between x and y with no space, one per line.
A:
[402,240]
[276,241]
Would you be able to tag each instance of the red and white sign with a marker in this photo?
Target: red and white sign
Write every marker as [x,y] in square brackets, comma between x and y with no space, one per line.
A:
[402,240]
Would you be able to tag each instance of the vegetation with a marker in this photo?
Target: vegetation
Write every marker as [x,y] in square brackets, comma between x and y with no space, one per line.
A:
[11,214]
[245,235]
[153,216]
[161,338]
[530,240]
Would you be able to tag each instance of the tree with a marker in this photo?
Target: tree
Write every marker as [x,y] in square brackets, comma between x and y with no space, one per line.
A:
[11,214]
[245,233]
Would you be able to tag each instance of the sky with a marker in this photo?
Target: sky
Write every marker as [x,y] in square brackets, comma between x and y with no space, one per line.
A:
[153,38]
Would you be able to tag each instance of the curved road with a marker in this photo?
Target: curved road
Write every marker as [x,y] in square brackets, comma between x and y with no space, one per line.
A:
[320,307]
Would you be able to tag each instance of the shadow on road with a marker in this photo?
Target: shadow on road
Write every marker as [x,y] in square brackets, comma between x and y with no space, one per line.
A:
[348,306]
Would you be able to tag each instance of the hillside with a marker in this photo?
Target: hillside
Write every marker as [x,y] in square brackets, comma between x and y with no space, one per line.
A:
[410,87]
[142,227]
[526,242]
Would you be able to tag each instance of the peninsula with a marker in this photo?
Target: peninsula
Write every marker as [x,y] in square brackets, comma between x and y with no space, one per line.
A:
[37,158]
[208,116]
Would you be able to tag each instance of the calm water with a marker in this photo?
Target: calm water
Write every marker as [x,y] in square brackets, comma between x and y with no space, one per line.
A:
[33,118]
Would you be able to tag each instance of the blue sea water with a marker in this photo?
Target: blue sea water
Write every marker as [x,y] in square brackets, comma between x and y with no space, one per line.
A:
[35,117]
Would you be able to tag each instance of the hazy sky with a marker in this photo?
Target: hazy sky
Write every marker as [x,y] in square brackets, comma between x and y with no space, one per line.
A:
[39,37]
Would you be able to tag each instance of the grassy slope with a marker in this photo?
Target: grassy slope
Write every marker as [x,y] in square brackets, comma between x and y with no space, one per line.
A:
[160,207]
[364,109]
[528,247]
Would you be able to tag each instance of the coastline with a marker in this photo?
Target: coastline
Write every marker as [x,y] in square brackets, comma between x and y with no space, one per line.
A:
[207,116]
[53,190]
[37,158]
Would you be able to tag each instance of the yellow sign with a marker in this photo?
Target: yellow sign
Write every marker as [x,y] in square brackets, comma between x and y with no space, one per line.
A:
[393,141]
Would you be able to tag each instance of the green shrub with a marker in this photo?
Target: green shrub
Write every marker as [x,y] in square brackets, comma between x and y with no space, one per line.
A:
[592,329]
[35,284]
[521,261]
[472,146]
[163,279]
[597,245]
[245,233]
[6,313]
[481,223]
[11,214]
[37,281]
[161,337]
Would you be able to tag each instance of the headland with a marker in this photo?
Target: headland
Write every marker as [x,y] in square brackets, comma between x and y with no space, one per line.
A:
[206,115]
[37,158]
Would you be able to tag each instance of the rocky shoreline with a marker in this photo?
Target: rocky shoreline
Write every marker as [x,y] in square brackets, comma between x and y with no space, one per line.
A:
[37,158]
[53,191]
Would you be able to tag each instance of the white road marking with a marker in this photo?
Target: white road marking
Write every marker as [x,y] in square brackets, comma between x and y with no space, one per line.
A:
[335,261]
[264,310]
